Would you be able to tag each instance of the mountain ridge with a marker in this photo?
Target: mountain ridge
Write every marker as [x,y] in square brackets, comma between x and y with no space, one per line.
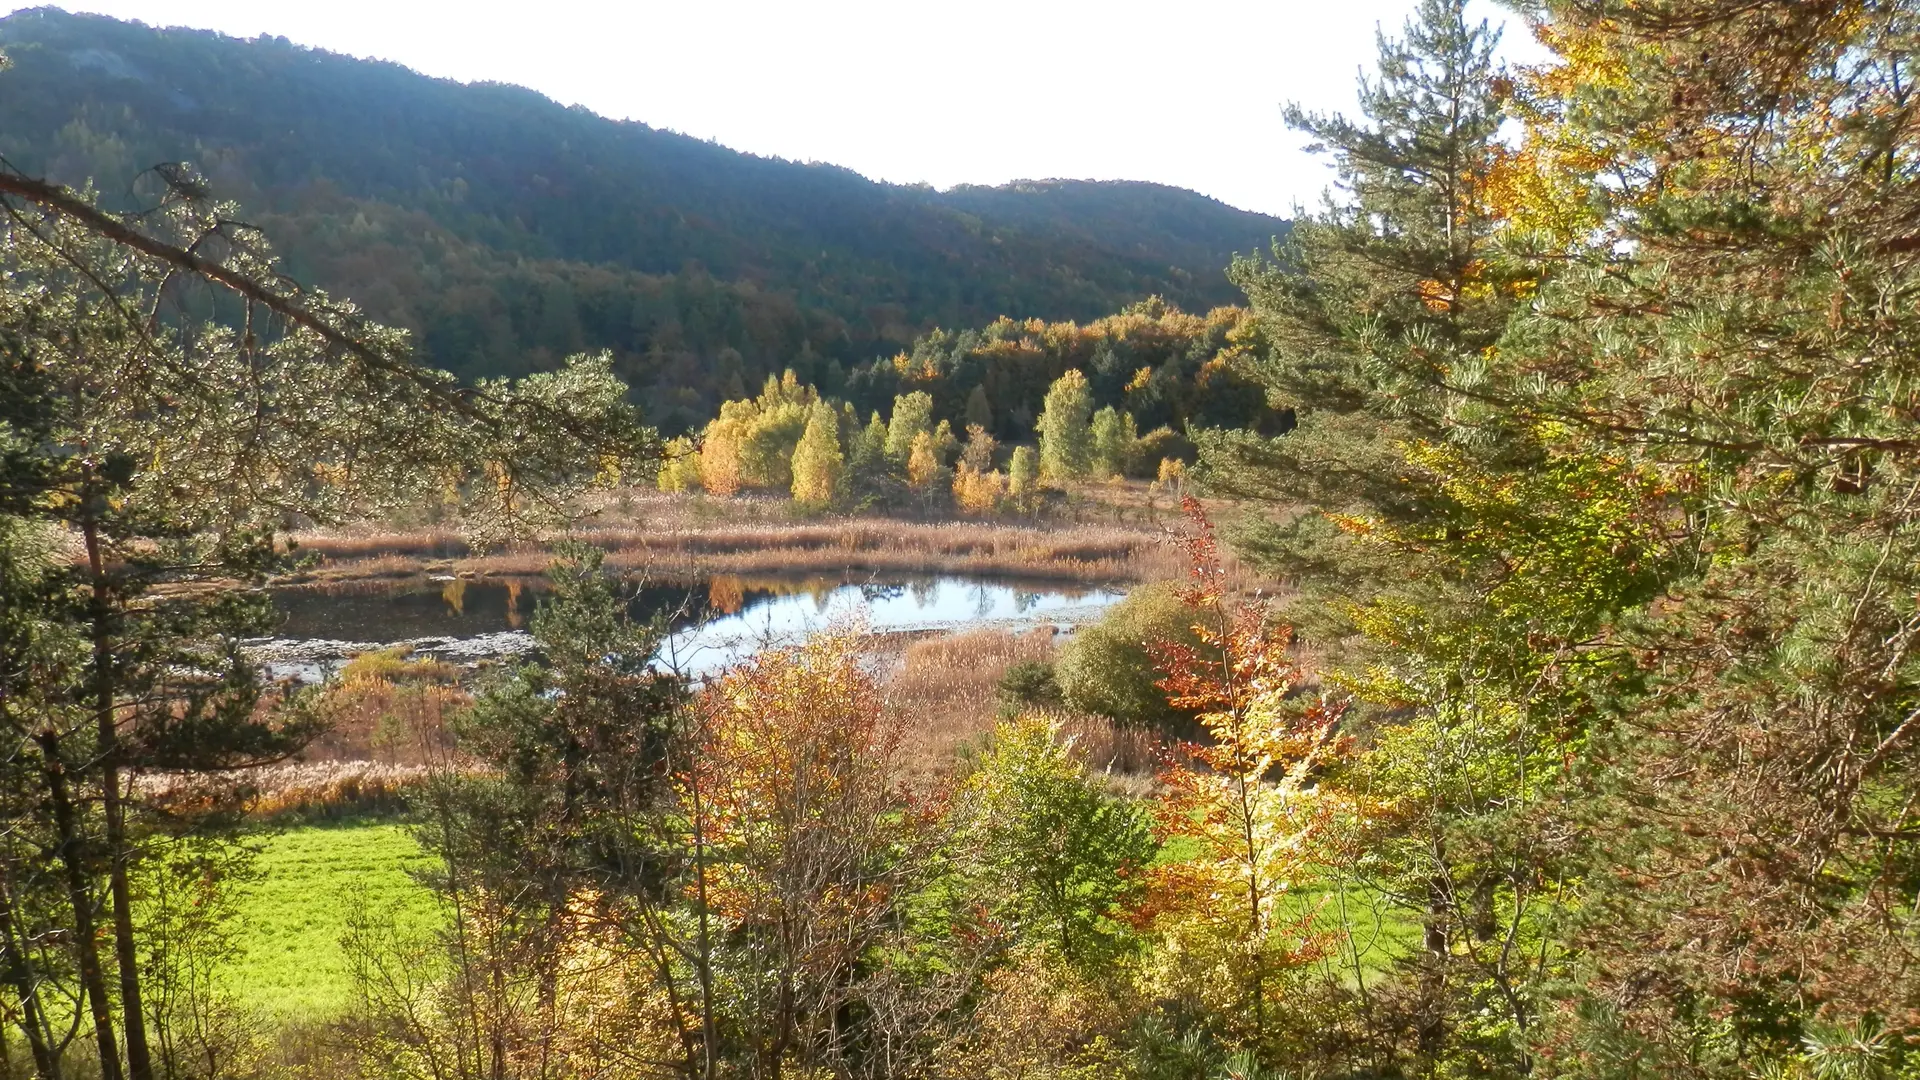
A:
[506,230]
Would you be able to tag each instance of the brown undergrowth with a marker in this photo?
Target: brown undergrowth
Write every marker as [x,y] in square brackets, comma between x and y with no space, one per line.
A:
[944,689]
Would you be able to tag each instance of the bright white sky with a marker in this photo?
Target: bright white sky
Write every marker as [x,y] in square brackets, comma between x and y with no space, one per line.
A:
[968,91]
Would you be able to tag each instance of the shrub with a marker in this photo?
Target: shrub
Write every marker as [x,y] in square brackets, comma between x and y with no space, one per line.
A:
[1108,668]
[1061,855]
[977,492]
[1029,683]
[1162,443]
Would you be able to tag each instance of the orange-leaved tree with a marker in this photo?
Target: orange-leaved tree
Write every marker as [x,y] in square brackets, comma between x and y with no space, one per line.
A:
[1241,801]
[813,848]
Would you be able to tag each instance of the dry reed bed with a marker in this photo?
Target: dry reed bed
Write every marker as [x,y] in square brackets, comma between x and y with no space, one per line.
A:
[1100,553]
[944,694]
[941,690]
[863,546]
[305,789]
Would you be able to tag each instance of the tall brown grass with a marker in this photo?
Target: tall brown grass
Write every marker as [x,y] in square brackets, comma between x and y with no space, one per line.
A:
[945,692]
[332,789]
[690,536]
[1086,553]
[303,790]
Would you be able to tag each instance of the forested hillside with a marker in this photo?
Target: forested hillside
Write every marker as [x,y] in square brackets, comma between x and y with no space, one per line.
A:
[508,231]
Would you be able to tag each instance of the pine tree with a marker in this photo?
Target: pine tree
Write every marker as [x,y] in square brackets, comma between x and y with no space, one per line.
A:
[1066,437]
[1369,309]
[143,432]
[873,439]
[1730,190]
[1414,520]
[817,463]
[867,473]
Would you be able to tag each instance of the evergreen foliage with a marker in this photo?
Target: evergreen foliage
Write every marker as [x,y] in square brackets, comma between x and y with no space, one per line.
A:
[171,450]
[1165,367]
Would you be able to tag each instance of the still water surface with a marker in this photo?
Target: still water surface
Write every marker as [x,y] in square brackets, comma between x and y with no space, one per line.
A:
[714,622]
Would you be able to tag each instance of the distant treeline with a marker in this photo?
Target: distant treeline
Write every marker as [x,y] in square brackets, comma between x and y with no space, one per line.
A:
[946,417]
[508,232]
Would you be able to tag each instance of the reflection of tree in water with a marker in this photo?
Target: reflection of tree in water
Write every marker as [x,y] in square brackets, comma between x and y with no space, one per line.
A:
[924,593]
[455,594]
[1024,602]
[513,604]
[725,594]
[873,594]
[982,601]
[822,590]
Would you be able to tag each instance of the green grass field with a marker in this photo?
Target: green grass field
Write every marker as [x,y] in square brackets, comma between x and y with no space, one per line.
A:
[312,878]
[292,918]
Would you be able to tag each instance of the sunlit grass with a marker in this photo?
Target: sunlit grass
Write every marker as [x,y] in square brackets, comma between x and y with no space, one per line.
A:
[292,919]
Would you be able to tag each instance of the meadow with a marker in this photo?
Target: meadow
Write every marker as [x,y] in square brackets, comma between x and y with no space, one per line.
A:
[311,880]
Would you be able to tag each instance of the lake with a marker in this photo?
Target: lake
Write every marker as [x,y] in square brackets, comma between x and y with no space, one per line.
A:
[715,622]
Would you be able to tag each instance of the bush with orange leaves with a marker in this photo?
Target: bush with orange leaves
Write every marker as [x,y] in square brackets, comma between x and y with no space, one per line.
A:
[1231,916]
[815,852]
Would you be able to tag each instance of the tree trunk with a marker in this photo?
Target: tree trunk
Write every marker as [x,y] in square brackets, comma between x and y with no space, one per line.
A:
[1438,947]
[20,976]
[86,940]
[126,952]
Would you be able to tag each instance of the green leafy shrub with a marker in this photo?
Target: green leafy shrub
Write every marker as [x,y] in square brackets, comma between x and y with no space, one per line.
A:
[1061,855]
[1158,445]
[1108,668]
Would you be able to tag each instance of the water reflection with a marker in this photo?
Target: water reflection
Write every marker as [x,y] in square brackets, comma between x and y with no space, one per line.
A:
[769,618]
[719,613]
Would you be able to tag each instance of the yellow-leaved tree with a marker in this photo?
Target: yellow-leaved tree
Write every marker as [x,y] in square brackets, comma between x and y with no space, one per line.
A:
[1234,916]
[817,461]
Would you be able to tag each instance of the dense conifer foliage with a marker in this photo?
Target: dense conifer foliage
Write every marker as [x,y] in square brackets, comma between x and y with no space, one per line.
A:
[151,456]
[1602,483]
[509,232]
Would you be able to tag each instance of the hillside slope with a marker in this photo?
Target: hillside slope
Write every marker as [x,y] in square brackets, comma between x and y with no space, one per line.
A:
[508,231]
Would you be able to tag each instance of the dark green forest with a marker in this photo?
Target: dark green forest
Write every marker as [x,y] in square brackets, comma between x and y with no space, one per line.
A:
[507,231]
